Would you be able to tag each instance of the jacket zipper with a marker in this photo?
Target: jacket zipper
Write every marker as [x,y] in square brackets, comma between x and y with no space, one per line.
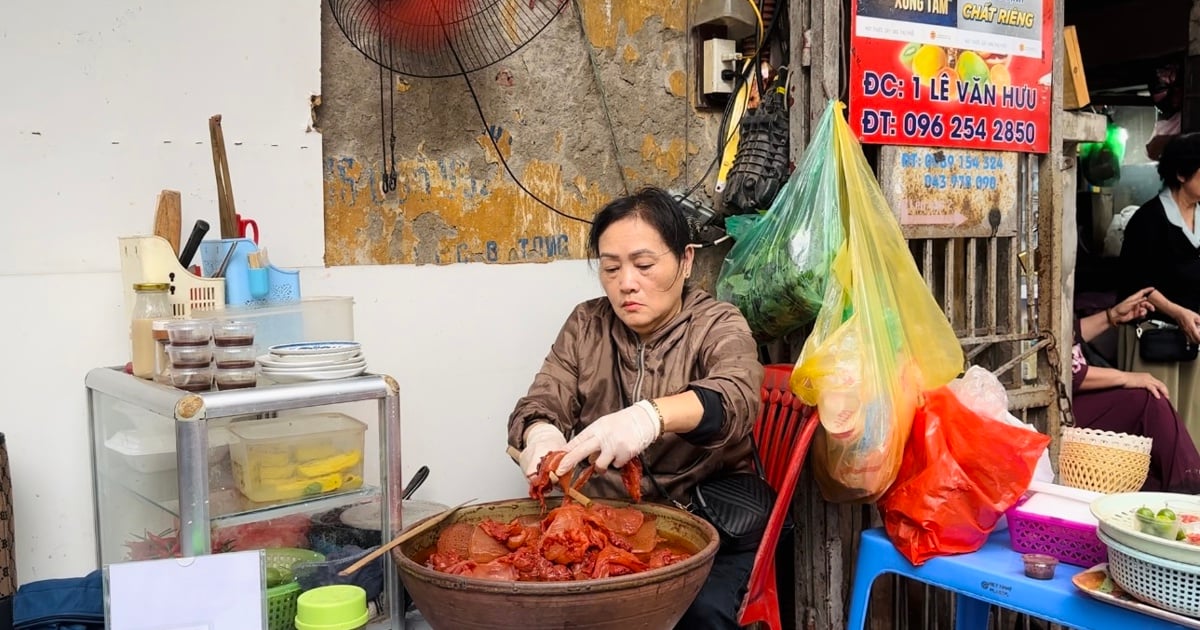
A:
[637,386]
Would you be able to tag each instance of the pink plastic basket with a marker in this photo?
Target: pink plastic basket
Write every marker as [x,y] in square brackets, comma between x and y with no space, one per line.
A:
[1070,542]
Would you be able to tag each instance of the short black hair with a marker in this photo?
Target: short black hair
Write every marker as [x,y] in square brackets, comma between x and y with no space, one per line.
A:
[1180,159]
[656,207]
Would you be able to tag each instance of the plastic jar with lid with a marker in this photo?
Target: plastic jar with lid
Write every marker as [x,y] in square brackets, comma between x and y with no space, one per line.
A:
[151,303]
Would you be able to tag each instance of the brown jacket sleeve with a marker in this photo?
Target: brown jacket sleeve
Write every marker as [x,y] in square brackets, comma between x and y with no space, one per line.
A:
[553,396]
[730,357]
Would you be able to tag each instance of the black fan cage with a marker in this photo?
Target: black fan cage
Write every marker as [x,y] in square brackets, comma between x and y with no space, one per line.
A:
[421,38]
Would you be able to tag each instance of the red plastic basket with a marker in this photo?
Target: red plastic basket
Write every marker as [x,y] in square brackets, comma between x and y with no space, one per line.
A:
[1070,542]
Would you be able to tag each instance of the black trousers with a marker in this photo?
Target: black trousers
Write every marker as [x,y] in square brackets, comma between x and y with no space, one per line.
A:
[716,607]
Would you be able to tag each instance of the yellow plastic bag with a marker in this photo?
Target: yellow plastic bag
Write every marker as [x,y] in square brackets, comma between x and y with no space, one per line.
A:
[879,340]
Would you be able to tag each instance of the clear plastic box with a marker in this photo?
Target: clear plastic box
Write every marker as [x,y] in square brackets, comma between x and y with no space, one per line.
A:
[297,456]
[310,319]
[150,451]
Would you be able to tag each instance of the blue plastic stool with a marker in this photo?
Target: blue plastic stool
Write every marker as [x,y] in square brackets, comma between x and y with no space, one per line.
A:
[994,575]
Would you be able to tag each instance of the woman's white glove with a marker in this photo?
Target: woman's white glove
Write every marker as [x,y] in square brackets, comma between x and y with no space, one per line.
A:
[617,437]
[540,438]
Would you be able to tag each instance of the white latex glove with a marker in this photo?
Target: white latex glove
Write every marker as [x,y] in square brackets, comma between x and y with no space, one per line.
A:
[540,438]
[617,437]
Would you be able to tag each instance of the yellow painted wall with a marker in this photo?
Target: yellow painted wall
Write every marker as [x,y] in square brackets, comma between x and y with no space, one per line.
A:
[454,201]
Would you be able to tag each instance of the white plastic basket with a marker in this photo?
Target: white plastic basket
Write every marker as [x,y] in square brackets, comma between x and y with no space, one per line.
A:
[151,259]
[1170,585]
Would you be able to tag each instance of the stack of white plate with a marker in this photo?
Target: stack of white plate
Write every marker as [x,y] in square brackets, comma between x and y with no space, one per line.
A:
[313,361]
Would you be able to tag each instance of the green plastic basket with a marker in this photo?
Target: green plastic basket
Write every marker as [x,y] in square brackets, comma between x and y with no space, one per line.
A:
[281,600]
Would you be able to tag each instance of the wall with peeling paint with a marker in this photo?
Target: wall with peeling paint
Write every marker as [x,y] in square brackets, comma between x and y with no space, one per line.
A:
[454,202]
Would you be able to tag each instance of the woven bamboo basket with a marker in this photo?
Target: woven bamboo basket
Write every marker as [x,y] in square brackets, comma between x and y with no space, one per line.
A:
[1103,461]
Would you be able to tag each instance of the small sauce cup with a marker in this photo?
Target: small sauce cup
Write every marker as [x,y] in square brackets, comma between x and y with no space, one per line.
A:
[1039,566]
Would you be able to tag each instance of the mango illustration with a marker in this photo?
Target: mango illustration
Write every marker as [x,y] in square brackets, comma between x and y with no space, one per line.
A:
[971,67]
[928,60]
[906,55]
[1000,75]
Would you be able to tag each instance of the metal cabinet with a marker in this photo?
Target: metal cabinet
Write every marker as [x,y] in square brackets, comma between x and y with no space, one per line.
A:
[164,483]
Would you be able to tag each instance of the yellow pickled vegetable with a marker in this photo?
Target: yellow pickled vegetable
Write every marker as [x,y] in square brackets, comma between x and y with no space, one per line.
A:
[269,456]
[314,450]
[276,472]
[351,482]
[329,465]
[317,485]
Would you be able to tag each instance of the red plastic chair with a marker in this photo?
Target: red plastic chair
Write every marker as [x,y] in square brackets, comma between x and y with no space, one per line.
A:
[783,433]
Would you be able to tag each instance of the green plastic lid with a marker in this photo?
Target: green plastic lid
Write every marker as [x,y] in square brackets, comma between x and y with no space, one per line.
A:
[335,607]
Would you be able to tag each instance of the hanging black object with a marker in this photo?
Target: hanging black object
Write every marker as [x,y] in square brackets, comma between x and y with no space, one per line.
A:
[441,38]
[761,165]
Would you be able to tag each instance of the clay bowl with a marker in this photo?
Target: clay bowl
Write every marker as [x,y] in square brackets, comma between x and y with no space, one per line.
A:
[653,600]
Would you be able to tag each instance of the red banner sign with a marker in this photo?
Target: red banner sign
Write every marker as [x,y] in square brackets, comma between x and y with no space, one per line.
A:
[952,73]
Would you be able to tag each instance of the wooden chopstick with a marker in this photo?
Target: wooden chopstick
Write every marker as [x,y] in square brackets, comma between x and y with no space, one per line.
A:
[571,492]
[423,527]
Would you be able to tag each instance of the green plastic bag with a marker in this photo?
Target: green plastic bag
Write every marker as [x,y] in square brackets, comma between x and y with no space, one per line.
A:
[776,272]
[738,225]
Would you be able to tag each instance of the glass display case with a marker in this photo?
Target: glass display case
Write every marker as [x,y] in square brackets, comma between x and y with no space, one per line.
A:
[179,473]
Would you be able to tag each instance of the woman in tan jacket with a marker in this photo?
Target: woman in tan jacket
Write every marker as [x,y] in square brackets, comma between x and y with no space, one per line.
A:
[655,369]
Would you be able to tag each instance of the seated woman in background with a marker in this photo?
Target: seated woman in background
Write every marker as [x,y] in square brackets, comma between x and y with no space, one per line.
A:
[1161,249]
[1137,403]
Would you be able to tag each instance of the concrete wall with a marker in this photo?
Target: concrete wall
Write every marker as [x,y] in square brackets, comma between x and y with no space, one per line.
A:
[454,201]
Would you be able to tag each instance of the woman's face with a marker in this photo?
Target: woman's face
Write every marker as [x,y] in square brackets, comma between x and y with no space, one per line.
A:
[1191,185]
[641,276]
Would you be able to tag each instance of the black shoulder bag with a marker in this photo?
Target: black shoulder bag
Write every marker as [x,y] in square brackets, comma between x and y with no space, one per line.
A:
[737,504]
[1163,342]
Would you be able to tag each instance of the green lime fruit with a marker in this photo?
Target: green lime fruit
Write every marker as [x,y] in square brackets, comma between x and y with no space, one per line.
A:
[1180,535]
[907,53]
[1145,511]
[1166,514]
[972,67]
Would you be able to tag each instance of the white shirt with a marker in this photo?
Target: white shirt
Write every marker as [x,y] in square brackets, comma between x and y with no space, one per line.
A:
[1175,217]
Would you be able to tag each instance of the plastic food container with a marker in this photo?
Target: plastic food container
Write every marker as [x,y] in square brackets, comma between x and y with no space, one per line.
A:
[154,451]
[297,456]
[1039,566]
[189,332]
[237,378]
[310,319]
[232,357]
[189,357]
[192,379]
[233,333]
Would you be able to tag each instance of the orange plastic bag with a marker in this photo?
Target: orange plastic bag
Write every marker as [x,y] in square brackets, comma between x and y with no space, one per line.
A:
[960,472]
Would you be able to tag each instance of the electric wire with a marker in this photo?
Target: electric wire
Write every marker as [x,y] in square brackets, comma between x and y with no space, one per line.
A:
[487,130]
[612,130]
[723,131]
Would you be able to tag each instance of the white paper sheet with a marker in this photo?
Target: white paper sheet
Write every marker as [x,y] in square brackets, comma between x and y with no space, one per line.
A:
[217,592]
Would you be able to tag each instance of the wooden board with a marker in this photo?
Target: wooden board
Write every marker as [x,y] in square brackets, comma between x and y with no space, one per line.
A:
[1075,89]
[950,193]
[168,218]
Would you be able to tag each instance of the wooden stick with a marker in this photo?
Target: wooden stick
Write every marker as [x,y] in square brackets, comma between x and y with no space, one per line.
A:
[571,492]
[423,527]
[225,205]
